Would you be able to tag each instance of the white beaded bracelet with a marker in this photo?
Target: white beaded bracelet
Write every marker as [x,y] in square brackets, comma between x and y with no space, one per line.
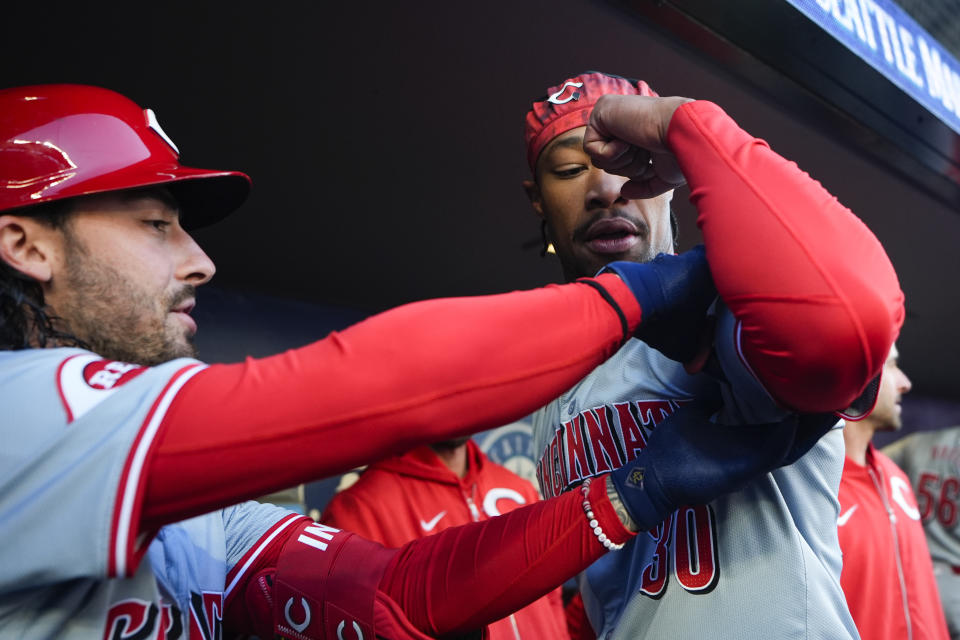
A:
[592,520]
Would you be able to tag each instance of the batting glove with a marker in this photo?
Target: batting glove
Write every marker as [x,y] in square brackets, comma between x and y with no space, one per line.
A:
[691,460]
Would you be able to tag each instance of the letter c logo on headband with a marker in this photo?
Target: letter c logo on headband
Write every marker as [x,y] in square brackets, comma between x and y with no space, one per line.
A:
[574,95]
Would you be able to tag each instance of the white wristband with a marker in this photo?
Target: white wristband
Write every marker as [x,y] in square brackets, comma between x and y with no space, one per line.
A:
[592,520]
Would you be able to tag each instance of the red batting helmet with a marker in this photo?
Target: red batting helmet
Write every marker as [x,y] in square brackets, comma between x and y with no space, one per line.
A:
[61,140]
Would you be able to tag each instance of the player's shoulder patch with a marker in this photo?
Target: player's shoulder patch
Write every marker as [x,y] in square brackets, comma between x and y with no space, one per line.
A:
[85,380]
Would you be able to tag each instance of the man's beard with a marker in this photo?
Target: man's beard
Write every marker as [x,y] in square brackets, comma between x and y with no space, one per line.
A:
[116,320]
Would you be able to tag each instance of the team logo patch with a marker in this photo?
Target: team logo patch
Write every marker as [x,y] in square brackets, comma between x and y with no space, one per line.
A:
[557,98]
[107,374]
[303,612]
[358,632]
[902,494]
[511,446]
[491,501]
[86,380]
[635,478]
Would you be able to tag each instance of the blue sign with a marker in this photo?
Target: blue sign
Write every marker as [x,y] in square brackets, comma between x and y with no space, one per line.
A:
[891,42]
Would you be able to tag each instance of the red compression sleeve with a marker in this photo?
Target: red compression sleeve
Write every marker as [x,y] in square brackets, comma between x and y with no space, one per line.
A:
[465,577]
[816,296]
[458,580]
[421,373]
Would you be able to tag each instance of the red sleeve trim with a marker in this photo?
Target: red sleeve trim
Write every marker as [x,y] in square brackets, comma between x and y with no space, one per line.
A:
[63,397]
[240,570]
[126,548]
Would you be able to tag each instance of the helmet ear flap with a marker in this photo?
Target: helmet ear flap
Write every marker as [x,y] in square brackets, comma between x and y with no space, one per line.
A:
[62,140]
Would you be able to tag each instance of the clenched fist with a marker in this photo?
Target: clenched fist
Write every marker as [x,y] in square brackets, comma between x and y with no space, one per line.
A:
[627,136]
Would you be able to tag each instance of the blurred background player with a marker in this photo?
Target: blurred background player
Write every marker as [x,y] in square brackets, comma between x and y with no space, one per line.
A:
[433,488]
[887,575]
[788,261]
[931,459]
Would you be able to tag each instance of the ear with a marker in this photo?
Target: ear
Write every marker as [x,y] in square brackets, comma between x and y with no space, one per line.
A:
[533,194]
[26,245]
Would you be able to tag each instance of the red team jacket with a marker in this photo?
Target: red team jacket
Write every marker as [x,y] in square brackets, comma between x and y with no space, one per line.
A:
[887,572]
[415,495]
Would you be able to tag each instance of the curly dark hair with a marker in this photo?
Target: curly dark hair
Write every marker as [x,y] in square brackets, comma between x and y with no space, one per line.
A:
[25,320]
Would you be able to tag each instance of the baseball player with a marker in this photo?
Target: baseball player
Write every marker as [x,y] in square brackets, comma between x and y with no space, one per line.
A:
[887,573]
[433,488]
[803,285]
[931,460]
[126,460]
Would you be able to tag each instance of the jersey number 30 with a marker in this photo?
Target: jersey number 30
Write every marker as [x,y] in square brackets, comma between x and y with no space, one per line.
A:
[694,552]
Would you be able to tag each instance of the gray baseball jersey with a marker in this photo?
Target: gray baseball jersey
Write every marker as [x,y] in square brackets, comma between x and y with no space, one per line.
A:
[763,562]
[76,430]
[932,461]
